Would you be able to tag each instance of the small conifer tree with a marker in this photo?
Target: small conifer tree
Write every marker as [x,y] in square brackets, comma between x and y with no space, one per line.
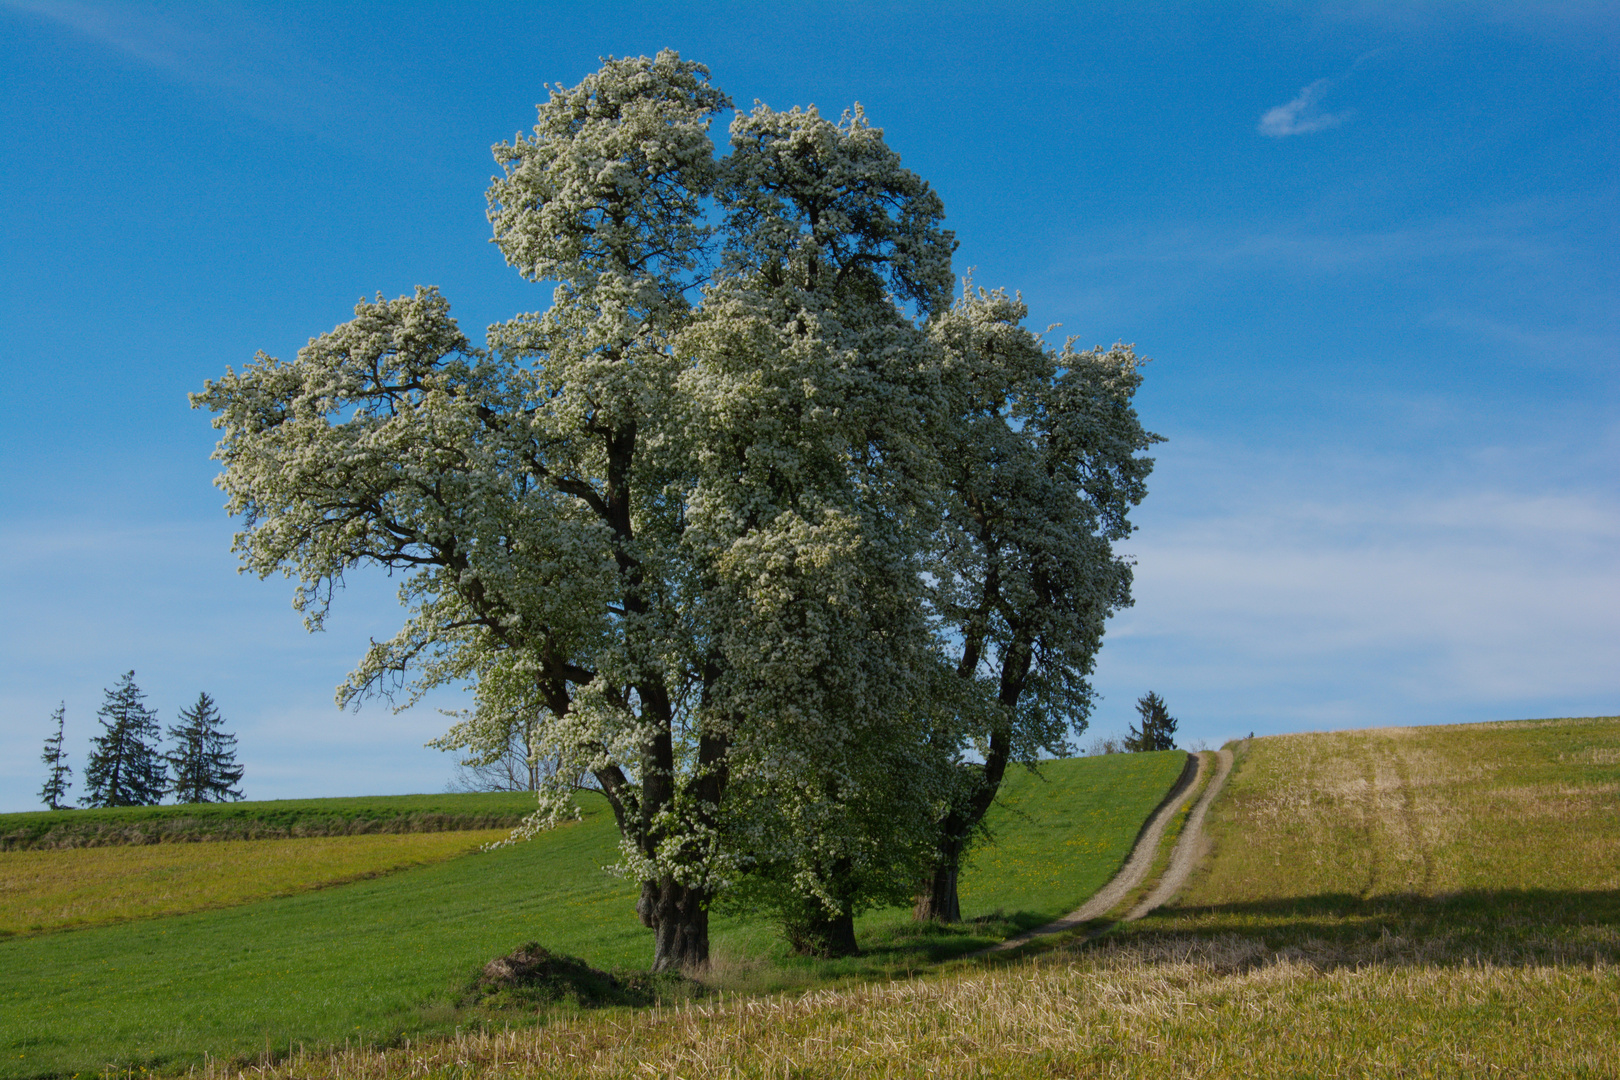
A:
[204,757]
[125,768]
[1158,727]
[54,793]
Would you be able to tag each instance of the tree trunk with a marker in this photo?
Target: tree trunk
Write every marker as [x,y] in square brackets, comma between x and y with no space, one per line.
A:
[937,900]
[823,935]
[679,919]
[936,896]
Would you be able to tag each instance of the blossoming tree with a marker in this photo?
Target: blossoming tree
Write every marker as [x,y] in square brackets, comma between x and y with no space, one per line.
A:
[697,516]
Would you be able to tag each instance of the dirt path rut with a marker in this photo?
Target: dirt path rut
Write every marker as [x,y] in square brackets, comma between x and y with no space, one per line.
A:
[1189,846]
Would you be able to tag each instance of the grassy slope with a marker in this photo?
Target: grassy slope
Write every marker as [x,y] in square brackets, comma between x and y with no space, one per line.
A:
[42,891]
[1058,843]
[383,958]
[1406,902]
[254,820]
[1496,829]
[1056,838]
[368,959]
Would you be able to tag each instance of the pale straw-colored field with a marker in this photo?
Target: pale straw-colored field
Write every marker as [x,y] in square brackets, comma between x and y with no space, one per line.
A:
[1425,811]
[1223,1007]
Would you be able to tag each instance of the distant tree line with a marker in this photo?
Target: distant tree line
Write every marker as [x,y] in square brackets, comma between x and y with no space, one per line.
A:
[127,767]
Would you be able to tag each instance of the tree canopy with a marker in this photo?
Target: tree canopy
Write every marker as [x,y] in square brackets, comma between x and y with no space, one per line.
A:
[1156,728]
[203,761]
[125,767]
[764,530]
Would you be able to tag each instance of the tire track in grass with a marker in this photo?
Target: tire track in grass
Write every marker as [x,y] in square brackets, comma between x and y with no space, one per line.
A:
[1369,822]
[1414,824]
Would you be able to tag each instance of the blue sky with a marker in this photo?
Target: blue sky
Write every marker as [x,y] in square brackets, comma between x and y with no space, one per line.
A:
[1369,246]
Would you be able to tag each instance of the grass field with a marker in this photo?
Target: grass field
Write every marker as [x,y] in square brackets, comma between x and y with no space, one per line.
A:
[1055,848]
[1057,838]
[1394,903]
[385,959]
[1217,1009]
[1503,833]
[278,818]
[77,887]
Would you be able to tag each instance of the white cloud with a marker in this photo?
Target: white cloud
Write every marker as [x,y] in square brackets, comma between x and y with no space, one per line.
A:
[1300,116]
[1317,593]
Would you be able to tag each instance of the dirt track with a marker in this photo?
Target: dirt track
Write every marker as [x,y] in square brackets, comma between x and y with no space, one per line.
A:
[1189,847]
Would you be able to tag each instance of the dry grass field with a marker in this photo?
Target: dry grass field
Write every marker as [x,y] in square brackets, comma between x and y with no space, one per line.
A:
[1410,902]
[1224,1007]
[1425,811]
[55,890]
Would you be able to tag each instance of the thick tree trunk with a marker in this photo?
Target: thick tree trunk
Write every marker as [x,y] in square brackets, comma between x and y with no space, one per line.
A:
[679,919]
[937,900]
[823,935]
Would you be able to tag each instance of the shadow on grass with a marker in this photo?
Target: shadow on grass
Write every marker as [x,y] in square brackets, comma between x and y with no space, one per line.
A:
[935,943]
[892,946]
[1505,927]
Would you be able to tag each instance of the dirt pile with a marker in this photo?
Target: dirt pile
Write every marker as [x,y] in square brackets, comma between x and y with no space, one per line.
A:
[532,975]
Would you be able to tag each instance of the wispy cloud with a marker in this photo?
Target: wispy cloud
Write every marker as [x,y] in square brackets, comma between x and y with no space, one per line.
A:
[146,37]
[229,56]
[1551,346]
[1527,263]
[1301,116]
[1301,594]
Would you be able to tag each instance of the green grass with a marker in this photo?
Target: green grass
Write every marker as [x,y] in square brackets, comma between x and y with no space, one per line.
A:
[262,820]
[371,960]
[45,891]
[385,959]
[1397,903]
[1056,837]
[1053,849]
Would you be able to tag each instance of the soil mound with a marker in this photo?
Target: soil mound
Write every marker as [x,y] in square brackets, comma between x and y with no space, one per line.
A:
[532,975]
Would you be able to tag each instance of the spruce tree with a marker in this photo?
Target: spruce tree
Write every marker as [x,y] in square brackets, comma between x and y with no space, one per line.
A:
[1158,728]
[204,757]
[54,793]
[125,768]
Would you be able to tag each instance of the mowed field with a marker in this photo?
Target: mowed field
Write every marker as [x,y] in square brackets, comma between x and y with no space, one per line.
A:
[1404,902]
[388,958]
[57,890]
